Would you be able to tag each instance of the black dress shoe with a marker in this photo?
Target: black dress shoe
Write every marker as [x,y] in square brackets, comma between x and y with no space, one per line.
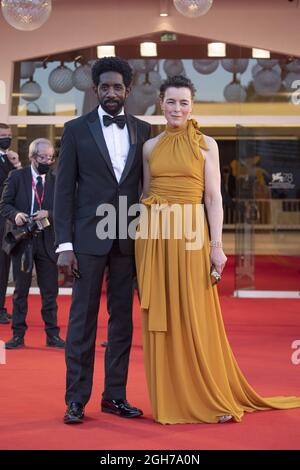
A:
[8,315]
[74,413]
[55,342]
[4,320]
[120,408]
[14,343]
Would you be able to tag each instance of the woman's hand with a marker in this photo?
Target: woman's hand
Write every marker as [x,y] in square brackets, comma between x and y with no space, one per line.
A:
[218,258]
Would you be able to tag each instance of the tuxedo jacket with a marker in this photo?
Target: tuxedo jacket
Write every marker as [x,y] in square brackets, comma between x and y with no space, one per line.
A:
[5,168]
[17,197]
[85,179]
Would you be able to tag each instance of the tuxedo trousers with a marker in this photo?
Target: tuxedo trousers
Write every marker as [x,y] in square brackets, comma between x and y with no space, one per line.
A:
[47,280]
[82,327]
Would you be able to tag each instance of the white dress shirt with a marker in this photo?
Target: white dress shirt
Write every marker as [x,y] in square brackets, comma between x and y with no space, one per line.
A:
[118,144]
[35,175]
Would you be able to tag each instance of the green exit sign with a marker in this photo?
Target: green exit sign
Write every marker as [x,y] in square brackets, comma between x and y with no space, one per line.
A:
[168,37]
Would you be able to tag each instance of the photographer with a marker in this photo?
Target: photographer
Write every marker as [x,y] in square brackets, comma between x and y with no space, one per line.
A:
[27,202]
[9,160]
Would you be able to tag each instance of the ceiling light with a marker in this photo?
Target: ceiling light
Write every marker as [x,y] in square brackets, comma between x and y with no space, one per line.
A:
[106,51]
[148,49]
[216,49]
[260,53]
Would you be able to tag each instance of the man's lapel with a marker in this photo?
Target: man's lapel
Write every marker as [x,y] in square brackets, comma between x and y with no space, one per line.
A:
[132,130]
[28,184]
[96,130]
[49,187]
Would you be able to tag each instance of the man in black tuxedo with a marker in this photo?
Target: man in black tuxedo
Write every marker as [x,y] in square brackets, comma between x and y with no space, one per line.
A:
[6,165]
[29,191]
[100,160]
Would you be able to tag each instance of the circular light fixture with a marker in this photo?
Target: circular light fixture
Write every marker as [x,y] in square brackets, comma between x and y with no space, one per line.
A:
[294,66]
[173,67]
[30,91]
[26,15]
[61,79]
[193,8]
[235,65]
[82,77]
[267,63]
[267,82]
[235,93]
[205,66]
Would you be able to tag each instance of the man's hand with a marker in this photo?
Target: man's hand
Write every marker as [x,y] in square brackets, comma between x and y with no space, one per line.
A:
[39,215]
[13,157]
[66,262]
[21,218]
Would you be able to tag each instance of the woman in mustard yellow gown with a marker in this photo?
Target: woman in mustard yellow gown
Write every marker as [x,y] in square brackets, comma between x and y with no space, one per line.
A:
[191,372]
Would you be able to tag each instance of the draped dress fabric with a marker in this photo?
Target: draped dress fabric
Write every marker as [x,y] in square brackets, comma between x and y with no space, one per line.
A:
[191,371]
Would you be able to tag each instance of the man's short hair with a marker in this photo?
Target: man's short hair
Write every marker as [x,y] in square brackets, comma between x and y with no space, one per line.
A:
[34,146]
[112,64]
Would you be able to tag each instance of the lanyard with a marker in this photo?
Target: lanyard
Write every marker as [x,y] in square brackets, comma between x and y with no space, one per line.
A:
[38,198]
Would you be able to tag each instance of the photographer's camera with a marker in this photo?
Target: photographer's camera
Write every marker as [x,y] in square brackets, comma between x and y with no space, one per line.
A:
[28,230]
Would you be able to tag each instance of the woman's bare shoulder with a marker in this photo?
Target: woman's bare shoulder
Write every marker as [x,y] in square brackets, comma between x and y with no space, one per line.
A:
[212,152]
[210,142]
[150,144]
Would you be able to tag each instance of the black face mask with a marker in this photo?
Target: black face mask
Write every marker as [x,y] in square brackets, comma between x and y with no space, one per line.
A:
[43,168]
[5,143]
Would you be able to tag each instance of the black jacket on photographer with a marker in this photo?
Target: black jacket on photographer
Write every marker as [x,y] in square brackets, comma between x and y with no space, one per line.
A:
[26,192]
[5,167]
[17,197]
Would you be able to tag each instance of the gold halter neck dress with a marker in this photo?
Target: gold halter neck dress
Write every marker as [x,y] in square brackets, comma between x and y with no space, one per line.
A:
[191,371]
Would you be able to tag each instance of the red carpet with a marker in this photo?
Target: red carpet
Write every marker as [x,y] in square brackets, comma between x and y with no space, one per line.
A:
[32,388]
[271,273]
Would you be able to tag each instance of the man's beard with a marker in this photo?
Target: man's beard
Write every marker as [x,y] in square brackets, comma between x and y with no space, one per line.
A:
[113,110]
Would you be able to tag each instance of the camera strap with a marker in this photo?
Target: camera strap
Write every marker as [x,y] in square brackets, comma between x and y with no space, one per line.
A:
[39,197]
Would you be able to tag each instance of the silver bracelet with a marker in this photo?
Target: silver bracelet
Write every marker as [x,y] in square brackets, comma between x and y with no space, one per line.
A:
[216,244]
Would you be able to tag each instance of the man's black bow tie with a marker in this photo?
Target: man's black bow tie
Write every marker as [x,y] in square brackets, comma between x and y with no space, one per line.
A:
[120,120]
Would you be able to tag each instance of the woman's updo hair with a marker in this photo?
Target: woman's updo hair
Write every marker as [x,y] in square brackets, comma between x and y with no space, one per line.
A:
[178,81]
